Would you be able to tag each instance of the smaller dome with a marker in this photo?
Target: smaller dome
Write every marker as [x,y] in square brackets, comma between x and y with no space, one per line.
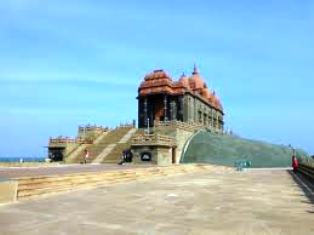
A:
[205,93]
[198,82]
[184,80]
[157,74]
[216,102]
[210,97]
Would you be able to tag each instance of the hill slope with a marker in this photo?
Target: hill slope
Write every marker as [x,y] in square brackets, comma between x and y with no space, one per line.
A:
[208,147]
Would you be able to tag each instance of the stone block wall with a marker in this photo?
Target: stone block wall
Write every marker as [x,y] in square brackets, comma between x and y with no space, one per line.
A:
[8,191]
[164,156]
[160,155]
[139,150]
[182,137]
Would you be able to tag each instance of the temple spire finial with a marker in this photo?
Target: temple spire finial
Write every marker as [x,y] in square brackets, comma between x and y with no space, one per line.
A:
[195,71]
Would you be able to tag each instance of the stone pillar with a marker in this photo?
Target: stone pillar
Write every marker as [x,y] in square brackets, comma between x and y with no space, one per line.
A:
[173,110]
[217,121]
[145,112]
[212,118]
[200,117]
[180,109]
[165,108]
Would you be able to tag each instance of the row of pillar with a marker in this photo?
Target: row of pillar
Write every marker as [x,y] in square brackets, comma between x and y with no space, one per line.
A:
[173,112]
[173,108]
[212,120]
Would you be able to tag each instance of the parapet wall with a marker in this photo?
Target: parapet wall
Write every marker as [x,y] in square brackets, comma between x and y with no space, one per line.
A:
[187,126]
[181,131]
[90,132]
[306,166]
[155,148]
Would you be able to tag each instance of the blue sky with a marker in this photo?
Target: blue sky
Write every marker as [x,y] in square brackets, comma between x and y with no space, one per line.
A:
[66,63]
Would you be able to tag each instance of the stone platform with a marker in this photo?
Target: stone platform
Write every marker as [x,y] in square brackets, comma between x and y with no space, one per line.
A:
[264,201]
[46,170]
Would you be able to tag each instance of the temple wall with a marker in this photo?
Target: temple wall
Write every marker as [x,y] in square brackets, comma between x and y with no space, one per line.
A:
[160,155]
[138,151]
[190,109]
[181,131]
[164,156]
[181,136]
[65,148]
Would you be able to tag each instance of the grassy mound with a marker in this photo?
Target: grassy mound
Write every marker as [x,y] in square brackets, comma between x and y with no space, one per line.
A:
[208,147]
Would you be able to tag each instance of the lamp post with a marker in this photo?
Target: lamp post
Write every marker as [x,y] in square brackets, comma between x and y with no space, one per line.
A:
[293,150]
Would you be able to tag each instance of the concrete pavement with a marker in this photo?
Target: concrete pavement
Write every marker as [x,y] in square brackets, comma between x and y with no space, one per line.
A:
[16,172]
[252,202]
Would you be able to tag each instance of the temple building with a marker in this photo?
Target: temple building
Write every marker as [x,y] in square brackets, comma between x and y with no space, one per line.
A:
[187,100]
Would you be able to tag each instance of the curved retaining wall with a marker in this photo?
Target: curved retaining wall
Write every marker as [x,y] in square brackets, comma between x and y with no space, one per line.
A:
[206,147]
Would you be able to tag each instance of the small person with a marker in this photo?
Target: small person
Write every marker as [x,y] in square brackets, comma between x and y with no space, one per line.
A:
[295,164]
[86,155]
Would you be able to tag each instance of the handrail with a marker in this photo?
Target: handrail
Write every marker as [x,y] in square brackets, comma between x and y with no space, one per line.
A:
[92,128]
[61,140]
[153,139]
[306,169]
[178,124]
[68,140]
[191,126]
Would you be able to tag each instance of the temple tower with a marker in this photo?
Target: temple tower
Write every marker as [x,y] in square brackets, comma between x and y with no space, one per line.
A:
[186,100]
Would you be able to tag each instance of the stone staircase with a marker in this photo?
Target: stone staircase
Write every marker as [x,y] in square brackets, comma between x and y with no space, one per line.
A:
[29,187]
[115,154]
[77,154]
[118,136]
[101,144]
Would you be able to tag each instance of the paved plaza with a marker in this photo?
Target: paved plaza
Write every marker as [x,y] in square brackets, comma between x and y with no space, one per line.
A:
[252,202]
[17,172]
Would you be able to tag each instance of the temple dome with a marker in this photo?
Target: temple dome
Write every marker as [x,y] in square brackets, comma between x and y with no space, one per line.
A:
[205,93]
[159,81]
[196,82]
[157,74]
[184,80]
[216,102]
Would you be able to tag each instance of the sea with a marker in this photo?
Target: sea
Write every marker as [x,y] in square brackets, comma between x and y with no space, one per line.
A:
[22,159]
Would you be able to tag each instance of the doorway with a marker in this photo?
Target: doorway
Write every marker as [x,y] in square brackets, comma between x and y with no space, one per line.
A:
[173,149]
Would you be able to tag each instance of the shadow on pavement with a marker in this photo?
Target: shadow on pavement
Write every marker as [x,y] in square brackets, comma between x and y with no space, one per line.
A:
[305,184]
